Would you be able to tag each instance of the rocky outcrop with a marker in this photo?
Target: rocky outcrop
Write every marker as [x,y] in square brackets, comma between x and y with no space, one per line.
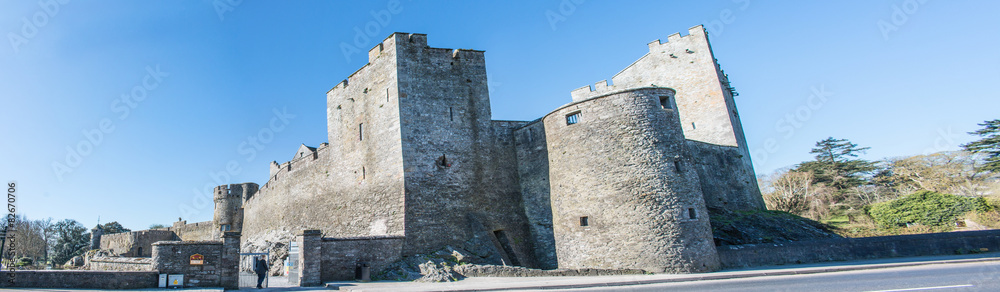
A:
[453,264]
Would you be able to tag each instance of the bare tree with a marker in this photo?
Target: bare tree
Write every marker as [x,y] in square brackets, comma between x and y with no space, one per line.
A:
[31,243]
[791,192]
[955,172]
[48,235]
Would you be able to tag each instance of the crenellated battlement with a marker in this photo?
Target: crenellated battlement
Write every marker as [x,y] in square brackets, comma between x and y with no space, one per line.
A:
[303,158]
[402,39]
[234,191]
[677,45]
[397,38]
[599,88]
[676,38]
[222,192]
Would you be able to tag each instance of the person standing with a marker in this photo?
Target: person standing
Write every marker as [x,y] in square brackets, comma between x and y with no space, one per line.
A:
[260,267]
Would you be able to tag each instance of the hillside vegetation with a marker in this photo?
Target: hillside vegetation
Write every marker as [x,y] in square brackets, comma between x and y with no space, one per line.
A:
[854,197]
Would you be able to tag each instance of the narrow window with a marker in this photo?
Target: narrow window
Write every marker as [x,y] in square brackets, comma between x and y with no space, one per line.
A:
[361,131]
[677,166]
[443,161]
[584,221]
[693,126]
[386,95]
[139,253]
[363,172]
[665,102]
[573,118]
[451,113]
[692,214]
[529,135]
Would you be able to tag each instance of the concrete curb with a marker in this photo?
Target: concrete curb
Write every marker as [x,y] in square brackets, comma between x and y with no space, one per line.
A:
[692,278]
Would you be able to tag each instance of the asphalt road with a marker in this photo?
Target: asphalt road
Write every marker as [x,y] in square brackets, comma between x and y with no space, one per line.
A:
[982,276]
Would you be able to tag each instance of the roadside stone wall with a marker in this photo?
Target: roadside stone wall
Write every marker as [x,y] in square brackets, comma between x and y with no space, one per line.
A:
[221,260]
[99,263]
[624,192]
[340,256]
[844,249]
[80,279]
[135,243]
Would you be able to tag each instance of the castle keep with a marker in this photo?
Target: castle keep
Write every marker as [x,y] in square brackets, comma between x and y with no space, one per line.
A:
[623,176]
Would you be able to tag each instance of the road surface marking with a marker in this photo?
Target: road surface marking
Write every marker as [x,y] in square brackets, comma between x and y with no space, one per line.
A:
[926,288]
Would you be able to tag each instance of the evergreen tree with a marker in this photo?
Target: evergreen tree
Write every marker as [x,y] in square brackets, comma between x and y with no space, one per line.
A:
[837,165]
[113,227]
[989,144]
[72,239]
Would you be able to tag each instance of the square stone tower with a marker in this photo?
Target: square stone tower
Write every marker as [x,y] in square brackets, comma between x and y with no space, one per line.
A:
[419,117]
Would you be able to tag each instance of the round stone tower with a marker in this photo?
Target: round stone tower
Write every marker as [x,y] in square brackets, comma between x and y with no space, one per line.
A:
[95,237]
[624,192]
[229,206]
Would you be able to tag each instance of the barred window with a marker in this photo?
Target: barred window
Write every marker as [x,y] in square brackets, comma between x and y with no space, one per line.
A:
[573,118]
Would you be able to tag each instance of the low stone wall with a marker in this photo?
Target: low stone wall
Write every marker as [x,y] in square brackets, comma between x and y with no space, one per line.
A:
[843,249]
[193,231]
[512,271]
[173,257]
[219,268]
[135,243]
[119,264]
[341,255]
[79,279]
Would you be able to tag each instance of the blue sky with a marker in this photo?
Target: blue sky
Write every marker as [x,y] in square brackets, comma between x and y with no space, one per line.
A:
[200,77]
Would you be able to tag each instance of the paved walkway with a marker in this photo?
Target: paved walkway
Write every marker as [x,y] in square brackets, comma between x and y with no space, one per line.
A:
[548,283]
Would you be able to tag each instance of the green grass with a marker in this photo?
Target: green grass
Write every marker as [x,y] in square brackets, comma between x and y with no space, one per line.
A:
[837,221]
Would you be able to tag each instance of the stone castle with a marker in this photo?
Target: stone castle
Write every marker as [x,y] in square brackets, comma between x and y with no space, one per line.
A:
[622,177]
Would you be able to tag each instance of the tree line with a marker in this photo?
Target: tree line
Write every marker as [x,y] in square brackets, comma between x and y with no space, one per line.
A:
[41,242]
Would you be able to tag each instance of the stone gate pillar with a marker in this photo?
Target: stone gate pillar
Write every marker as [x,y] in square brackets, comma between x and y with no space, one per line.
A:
[310,250]
[229,268]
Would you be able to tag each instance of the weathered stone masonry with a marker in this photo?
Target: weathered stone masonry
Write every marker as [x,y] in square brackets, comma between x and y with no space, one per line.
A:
[623,177]
[414,154]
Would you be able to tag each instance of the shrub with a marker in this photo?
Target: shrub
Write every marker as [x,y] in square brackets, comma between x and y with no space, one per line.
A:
[926,208]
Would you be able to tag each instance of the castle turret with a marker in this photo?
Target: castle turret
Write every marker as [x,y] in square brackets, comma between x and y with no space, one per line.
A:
[707,112]
[624,193]
[95,237]
[229,206]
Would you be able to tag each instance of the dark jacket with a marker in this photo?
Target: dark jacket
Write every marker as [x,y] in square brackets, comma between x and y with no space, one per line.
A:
[260,267]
